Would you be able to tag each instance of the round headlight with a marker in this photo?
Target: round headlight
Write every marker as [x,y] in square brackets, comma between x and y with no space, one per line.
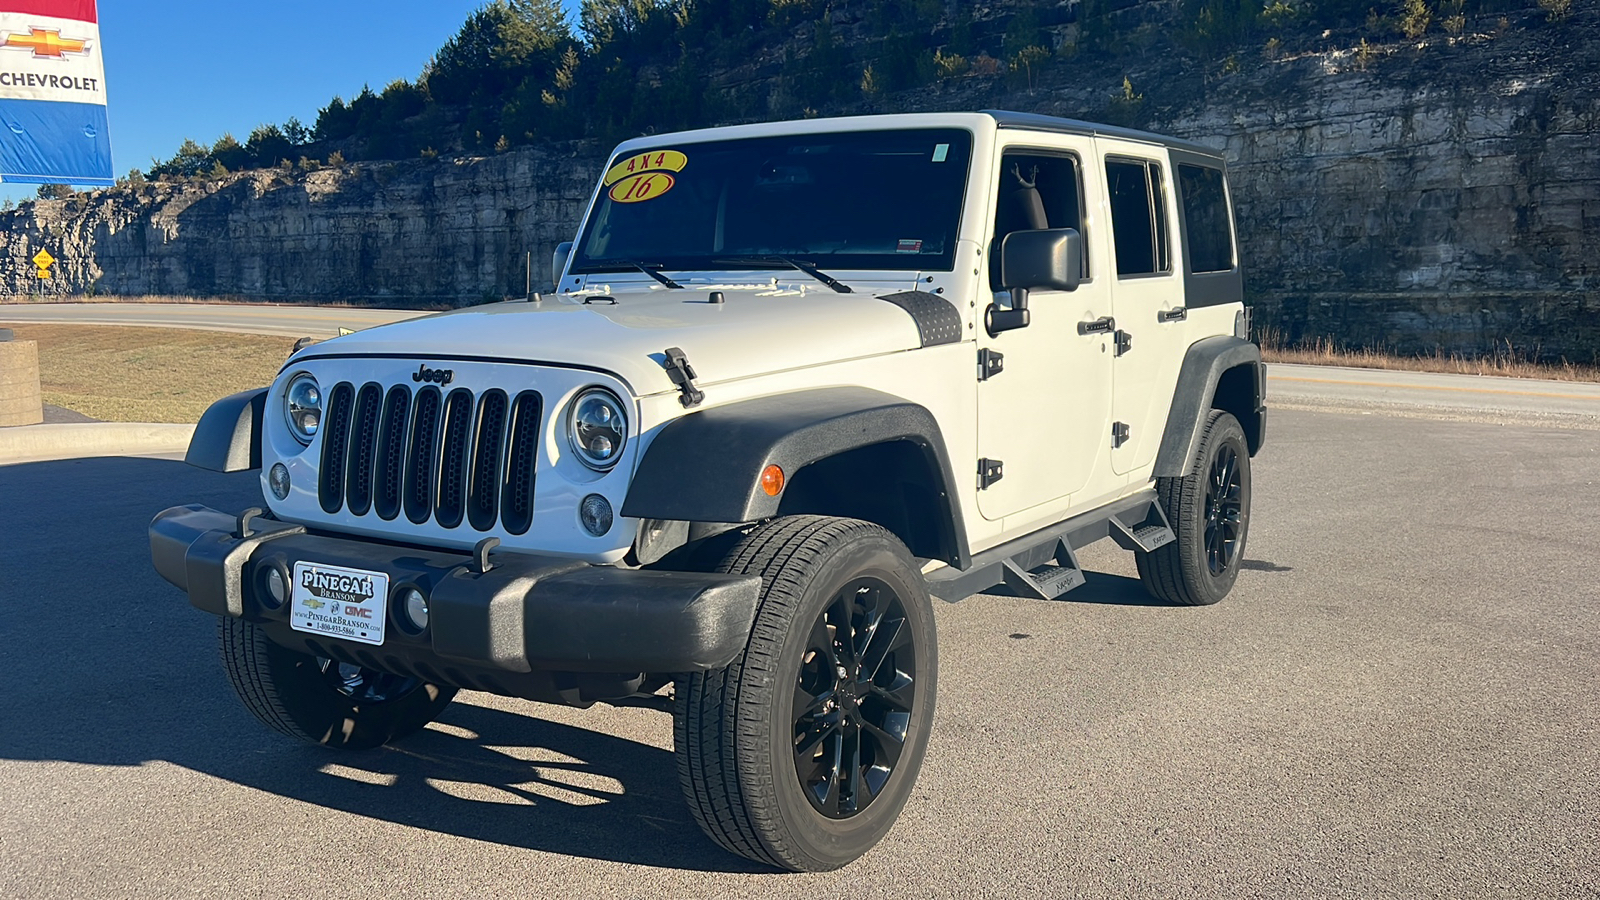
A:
[302,406]
[597,428]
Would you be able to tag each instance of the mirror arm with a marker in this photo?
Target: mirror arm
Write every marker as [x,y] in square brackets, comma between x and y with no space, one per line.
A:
[996,319]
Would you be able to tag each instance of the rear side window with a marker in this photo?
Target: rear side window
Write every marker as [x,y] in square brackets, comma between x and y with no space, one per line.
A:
[1138,217]
[1205,217]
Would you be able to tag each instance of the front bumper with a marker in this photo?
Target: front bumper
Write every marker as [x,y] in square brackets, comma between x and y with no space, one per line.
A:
[518,629]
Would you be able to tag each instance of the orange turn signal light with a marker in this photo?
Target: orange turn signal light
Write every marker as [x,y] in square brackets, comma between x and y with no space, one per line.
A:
[772,480]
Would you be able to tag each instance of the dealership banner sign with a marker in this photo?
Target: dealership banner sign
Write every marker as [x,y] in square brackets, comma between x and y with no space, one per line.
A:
[52,94]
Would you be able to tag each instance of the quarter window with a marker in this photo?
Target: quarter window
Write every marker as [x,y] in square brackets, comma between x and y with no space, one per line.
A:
[1206,230]
[1138,217]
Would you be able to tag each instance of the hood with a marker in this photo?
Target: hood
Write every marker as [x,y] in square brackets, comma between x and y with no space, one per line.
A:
[628,333]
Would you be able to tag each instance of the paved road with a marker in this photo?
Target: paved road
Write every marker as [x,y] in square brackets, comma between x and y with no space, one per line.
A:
[292,321]
[1451,396]
[1398,700]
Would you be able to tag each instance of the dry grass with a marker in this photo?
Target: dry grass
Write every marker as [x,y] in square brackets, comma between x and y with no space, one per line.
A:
[148,374]
[1506,363]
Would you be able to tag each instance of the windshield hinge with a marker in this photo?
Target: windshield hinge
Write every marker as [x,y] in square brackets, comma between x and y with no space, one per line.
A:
[683,376]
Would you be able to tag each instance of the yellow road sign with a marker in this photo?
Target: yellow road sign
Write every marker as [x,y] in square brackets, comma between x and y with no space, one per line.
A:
[43,260]
[44,273]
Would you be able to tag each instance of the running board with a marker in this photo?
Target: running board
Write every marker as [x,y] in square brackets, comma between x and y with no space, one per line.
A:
[1044,565]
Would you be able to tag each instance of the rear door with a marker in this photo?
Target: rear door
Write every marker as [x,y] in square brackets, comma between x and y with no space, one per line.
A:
[1150,339]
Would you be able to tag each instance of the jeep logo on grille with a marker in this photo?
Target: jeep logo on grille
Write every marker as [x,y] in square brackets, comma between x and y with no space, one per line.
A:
[437,376]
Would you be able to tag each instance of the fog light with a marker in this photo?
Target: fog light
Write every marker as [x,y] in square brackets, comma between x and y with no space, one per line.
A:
[595,512]
[278,480]
[277,588]
[414,609]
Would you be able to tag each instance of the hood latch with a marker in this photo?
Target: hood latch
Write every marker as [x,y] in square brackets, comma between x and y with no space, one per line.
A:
[682,375]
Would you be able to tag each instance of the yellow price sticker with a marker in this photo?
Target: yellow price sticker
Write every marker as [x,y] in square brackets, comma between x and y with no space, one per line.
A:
[641,187]
[649,161]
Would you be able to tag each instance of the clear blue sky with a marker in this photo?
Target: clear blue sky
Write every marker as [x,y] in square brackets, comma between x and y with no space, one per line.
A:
[185,68]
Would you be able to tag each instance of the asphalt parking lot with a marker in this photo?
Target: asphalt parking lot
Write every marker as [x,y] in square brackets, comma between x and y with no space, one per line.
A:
[1398,700]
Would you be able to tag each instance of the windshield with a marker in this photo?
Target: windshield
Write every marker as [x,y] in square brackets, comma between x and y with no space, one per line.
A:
[850,200]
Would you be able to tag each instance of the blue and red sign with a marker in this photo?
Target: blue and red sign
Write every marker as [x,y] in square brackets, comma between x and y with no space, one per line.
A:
[52,94]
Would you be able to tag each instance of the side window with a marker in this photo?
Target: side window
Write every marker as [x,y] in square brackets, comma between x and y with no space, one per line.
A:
[1037,191]
[1205,218]
[1138,217]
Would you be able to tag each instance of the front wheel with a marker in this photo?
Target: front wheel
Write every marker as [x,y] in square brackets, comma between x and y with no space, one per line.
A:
[321,700]
[803,751]
[1209,509]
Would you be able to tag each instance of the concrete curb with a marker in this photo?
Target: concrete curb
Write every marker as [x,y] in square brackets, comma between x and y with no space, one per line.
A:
[67,441]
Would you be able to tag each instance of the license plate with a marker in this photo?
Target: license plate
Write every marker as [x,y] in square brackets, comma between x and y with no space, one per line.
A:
[338,602]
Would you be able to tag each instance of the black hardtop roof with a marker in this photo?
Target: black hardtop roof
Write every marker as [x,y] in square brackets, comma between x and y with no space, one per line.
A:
[1037,122]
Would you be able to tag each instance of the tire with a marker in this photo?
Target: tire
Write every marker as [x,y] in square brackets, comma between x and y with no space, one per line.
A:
[1209,510]
[735,729]
[322,701]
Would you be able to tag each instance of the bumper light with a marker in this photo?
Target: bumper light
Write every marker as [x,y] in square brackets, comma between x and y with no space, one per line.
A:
[413,609]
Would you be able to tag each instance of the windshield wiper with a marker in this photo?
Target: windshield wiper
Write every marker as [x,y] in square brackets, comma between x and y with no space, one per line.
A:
[792,263]
[651,269]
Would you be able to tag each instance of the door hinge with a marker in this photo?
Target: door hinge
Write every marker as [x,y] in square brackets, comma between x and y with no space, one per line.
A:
[1124,342]
[990,471]
[990,364]
[1119,434]
[683,376]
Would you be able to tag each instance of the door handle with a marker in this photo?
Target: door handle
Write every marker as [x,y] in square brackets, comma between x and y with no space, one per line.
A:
[1103,325]
[1176,314]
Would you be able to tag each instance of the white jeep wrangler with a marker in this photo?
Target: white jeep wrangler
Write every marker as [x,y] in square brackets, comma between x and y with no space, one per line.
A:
[796,379]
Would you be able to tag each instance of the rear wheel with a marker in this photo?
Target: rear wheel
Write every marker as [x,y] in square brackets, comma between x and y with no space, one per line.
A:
[1209,510]
[321,700]
[802,753]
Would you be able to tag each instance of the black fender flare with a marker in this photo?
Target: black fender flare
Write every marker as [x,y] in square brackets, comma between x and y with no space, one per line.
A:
[228,438]
[707,465]
[1203,368]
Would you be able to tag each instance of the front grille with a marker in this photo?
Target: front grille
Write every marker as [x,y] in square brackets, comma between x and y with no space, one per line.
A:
[453,459]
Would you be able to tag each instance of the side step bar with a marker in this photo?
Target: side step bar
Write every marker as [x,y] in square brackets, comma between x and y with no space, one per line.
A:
[1044,565]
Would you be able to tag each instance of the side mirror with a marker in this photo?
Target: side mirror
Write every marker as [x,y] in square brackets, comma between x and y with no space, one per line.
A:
[1048,259]
[558,262]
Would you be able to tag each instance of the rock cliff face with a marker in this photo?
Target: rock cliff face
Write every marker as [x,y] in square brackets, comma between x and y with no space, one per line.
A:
[1442,194]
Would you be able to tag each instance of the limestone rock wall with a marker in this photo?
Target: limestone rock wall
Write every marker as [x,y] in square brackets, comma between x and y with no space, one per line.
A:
[1443,194]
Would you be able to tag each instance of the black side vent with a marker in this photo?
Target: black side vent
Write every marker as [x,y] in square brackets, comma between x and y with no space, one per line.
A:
[522,457]
[363,449]
[392,453]
[335,447]
[423,456]
[483,492]
[454,451]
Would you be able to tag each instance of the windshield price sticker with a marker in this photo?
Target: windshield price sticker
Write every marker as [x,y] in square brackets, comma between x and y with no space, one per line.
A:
[641,187]
[339,602]
[649,161]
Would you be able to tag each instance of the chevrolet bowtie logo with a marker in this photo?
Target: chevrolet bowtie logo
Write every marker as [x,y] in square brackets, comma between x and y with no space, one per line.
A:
[46,43]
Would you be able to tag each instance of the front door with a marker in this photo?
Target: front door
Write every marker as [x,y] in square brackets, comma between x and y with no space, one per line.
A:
[1044,417]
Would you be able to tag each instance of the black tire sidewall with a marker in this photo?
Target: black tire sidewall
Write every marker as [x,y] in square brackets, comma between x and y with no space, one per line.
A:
[834,842]
[1206,587]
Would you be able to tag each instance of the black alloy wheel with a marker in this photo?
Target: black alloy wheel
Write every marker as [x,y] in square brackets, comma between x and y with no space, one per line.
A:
[853,698]
[1224,511]
[322,701]
[365,685]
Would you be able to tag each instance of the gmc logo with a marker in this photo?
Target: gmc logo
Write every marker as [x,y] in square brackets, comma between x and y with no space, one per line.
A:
[436,376]
[358,612]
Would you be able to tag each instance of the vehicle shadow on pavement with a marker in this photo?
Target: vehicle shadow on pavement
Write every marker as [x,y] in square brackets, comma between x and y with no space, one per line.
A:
[107,664]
